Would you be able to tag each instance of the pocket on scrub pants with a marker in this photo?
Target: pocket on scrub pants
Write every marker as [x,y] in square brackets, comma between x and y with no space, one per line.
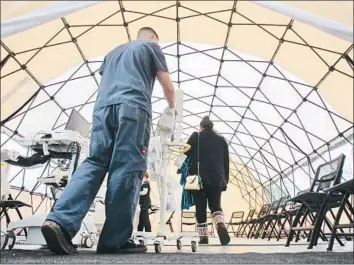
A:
[135,122]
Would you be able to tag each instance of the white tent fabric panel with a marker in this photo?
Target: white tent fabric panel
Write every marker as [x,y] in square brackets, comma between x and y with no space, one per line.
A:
[326,25]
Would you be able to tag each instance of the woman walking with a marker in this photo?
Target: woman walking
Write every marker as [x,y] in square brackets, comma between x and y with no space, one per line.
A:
[211,151]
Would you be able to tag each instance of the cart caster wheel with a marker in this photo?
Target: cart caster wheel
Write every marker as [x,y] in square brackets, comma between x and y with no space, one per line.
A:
[158,248]
[9,240]
[3,241]
[179,244]
[194,246]
[142,242]
[88,242]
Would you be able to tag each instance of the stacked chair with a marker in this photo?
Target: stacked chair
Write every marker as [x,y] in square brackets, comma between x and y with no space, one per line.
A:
[307,214]
[316,203]
[235,222]
[256,222]
[246,223]
[347,190]
[270,221]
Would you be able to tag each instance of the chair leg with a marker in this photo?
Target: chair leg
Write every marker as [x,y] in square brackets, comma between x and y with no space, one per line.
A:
[238,230]
[336,237]
[265,229]
[258,230]
[241,230]
[290,222]
[349,217]
[304,218]
[7,217]
[273,228]
[318,223]
[282,227]
[250,231]
[244,233]
[294,224]
[336,222]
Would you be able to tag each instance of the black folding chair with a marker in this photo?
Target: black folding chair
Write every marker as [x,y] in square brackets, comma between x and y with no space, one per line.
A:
[235,220]
[347,189]
[327,175]
[246,223]
[262,221]
[254,222]
[286,216]
[271,219]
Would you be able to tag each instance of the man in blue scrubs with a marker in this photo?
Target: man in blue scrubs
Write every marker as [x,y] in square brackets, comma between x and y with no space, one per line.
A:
[119,142]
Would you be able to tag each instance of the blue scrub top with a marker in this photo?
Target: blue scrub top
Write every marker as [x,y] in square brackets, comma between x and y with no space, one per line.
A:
[128,74]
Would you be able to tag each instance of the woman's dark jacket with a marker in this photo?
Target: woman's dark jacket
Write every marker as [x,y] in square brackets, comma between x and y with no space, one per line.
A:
[214,158]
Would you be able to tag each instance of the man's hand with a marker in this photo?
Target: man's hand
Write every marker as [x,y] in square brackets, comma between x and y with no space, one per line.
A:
[173,111]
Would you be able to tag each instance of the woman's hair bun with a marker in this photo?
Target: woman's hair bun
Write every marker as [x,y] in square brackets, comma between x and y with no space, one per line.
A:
[206,123]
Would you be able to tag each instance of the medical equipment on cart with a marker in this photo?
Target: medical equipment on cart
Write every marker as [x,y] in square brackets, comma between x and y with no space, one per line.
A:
[160,152]
[54,145]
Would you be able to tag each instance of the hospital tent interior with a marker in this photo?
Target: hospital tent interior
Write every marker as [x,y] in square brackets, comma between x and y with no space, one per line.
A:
[275,77]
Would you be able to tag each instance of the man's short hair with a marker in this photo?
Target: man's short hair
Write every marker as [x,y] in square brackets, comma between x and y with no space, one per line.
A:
[148,29]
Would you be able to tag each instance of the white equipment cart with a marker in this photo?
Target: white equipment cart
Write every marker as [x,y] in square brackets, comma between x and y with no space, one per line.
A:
[160,152]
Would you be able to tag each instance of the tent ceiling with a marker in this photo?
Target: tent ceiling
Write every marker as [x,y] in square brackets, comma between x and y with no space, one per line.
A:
[260,37]
[253,70]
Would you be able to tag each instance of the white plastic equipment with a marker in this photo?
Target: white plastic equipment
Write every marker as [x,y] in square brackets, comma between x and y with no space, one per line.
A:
[55,141]
[160,152]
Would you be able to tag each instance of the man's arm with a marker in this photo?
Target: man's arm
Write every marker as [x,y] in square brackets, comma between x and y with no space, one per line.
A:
[163,75]
[167,86]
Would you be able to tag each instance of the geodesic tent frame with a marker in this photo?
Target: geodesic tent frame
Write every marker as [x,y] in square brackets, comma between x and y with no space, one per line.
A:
[270,156]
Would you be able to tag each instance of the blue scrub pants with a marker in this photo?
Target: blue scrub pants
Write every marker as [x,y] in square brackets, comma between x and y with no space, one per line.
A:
[119,141]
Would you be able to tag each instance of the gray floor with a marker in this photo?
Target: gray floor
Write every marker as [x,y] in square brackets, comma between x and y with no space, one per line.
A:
[89,257]
[239,251]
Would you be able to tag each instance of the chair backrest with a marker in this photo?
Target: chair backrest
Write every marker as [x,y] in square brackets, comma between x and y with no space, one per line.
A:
[303,191]
[328,174]
[274,206]
[283,200]
[264,210]
[283,203]
[238,215]
[250,214]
